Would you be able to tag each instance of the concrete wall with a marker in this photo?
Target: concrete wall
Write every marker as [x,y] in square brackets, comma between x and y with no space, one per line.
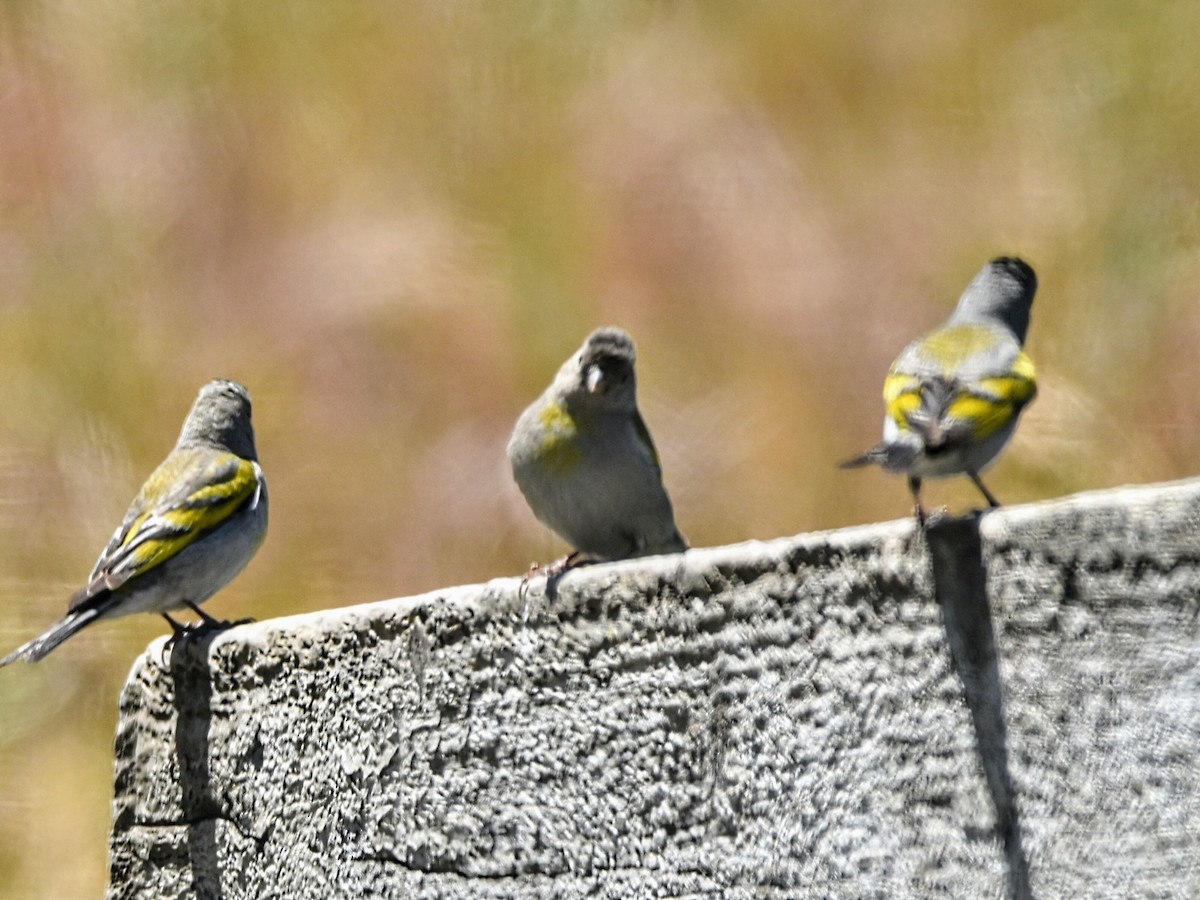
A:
[1009,706]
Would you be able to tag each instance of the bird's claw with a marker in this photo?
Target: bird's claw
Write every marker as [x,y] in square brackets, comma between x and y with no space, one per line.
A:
[552,571]
[181,631]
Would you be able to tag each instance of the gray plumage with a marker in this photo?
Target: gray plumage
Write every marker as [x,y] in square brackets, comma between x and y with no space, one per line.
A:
[584,460]
[1001,293]
[195,524]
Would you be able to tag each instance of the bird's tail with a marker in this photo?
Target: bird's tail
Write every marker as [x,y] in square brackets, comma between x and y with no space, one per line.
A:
[55,635]
[677,543]
[877,455]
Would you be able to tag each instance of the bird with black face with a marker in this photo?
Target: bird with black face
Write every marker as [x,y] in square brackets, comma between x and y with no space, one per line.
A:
[582,456]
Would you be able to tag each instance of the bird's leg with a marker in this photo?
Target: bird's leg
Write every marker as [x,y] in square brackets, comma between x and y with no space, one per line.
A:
[179,631]
[523,589]
[914,485]
[992,501]
[558,567]
[211,623]
[553,571]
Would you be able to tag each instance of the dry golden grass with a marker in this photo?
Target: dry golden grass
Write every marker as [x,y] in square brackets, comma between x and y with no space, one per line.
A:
[393,221]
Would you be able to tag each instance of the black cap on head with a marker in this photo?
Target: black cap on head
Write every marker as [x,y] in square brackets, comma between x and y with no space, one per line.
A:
[1002,291]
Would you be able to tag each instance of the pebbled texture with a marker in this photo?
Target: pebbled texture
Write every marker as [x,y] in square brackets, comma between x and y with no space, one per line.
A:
[1007,707]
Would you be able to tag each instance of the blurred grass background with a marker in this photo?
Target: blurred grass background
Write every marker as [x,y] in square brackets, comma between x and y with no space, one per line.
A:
[393,221]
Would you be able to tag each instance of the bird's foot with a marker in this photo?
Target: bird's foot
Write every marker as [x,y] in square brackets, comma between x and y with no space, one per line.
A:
[212,623]
[934,518]
[181,631]
[552,572]
[554,569]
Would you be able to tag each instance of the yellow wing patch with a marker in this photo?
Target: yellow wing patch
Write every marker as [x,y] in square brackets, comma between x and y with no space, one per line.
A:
[902,397]
[984,406]
[161,532]
[992,404]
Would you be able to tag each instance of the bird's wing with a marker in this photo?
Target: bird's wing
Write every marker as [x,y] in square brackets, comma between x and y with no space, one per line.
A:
[643,434]
[192,493]
[959,385]
[981,407]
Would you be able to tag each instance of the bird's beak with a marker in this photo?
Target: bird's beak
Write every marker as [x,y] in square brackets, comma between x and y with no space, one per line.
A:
[595,380]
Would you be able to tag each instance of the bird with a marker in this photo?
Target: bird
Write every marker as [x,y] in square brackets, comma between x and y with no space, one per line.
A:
[953,397]
[194,525]
[584,460]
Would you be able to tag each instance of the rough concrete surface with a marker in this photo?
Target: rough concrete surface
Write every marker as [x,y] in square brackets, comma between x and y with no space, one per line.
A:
[1007,707]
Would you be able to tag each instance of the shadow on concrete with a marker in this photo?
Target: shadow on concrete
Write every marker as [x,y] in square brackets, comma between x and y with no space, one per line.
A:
[193,713]
[960,585]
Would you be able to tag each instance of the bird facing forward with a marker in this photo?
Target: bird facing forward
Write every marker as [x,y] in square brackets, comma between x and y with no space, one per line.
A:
[584,460]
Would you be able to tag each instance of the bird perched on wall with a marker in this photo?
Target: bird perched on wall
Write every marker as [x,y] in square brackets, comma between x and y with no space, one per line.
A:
[584,460]
[953,397]
[194,525]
